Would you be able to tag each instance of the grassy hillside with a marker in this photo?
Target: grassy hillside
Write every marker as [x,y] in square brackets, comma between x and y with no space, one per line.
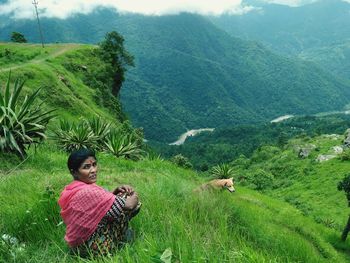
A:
[308,185]
[67,75]
[197,227]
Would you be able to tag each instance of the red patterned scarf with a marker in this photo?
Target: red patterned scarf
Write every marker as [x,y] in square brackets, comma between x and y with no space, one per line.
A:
[82,208]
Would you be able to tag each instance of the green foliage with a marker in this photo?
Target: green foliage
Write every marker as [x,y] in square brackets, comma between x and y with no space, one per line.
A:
[344,185]
[123,145]
[222,171]
[18,37]
[187,95]
[345,156]
[99,128]
[22,123]
[181,161]
[71,136]
[261,179]
[227,144]
[209,227]
[112,51]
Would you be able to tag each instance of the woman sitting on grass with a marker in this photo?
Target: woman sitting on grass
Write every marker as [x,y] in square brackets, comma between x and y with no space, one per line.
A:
[96,220]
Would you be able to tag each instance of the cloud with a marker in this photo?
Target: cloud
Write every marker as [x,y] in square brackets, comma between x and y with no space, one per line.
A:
[291,2]
[65,8]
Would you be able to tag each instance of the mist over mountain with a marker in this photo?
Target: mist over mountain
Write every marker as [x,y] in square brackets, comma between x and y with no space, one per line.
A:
[191,74]
[318,31]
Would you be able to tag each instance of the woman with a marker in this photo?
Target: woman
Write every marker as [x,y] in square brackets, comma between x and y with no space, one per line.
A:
[96,220]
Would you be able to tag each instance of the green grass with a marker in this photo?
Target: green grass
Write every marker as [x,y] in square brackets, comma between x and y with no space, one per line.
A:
[61,89]
[246,226]
[309,186]
[198,227]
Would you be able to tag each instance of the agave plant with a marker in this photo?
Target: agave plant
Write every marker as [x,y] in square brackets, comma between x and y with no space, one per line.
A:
[71,136]
[99,128]
[123,145]
[222,171]
[21,123]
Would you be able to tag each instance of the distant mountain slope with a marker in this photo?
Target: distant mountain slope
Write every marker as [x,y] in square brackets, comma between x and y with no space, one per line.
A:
[317,32]
[334,58]
[292,29]
[190,74]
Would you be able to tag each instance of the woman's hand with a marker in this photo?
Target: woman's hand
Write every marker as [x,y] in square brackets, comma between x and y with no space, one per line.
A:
[131,201]
[124,189]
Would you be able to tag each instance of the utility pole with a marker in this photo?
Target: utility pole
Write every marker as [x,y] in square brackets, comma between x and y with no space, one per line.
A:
[35,3]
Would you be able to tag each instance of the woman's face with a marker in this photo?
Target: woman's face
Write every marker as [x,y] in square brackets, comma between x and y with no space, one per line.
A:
[87,171]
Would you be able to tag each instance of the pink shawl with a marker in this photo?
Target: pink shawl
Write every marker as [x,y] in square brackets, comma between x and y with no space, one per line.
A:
[82,208]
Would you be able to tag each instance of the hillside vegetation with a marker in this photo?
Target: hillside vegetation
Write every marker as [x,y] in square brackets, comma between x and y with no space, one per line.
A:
[190,74]
[175,222]
[317,32]
[68,75]
[304,182]
[196,227]
[226,144]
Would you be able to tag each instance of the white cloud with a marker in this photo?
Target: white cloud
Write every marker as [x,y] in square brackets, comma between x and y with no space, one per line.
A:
[65,8]
[291,2]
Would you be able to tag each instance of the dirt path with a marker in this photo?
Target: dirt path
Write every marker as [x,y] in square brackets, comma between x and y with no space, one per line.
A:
[54,54]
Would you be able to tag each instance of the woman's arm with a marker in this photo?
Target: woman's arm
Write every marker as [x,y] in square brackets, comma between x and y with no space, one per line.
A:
[117,208]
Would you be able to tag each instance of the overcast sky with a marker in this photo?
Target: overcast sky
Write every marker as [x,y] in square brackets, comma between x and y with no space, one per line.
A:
[65,8]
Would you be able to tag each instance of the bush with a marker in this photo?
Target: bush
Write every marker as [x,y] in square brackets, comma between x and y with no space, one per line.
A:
[122,141]
[261,179]
[123,145]
[71,136]
[345,156]
[181,161]
[222,171]
[21,123]
[18,37]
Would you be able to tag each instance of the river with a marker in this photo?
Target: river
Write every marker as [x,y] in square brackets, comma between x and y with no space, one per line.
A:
[184,136]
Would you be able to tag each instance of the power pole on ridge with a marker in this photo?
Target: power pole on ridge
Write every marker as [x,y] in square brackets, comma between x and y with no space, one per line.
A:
[35,3]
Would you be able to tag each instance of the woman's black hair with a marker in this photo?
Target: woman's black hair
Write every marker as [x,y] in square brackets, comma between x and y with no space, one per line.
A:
[76,158]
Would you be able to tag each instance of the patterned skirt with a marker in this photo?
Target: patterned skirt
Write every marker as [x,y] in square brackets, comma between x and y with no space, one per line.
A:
[107,238]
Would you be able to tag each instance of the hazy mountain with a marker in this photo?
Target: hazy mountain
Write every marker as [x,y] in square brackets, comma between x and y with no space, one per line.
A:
[292,29]
[318,32]
[190,74]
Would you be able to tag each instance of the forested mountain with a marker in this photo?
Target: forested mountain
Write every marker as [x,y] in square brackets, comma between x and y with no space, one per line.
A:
[318,31]
[291,30]
[191,74]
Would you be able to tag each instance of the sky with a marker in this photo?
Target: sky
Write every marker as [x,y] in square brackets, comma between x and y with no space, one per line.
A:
[65,8]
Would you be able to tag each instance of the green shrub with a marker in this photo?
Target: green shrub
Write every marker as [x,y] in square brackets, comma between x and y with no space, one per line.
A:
[71,136]
[345,156]
[222,171]
[123,145]
[261,179]
[181,161]
[21,123]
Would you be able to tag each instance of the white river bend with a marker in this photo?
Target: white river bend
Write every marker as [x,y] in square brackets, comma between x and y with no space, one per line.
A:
[184,136]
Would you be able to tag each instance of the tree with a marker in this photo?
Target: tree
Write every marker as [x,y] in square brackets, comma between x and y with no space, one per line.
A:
[113,52]
[18,37]
[345,186]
